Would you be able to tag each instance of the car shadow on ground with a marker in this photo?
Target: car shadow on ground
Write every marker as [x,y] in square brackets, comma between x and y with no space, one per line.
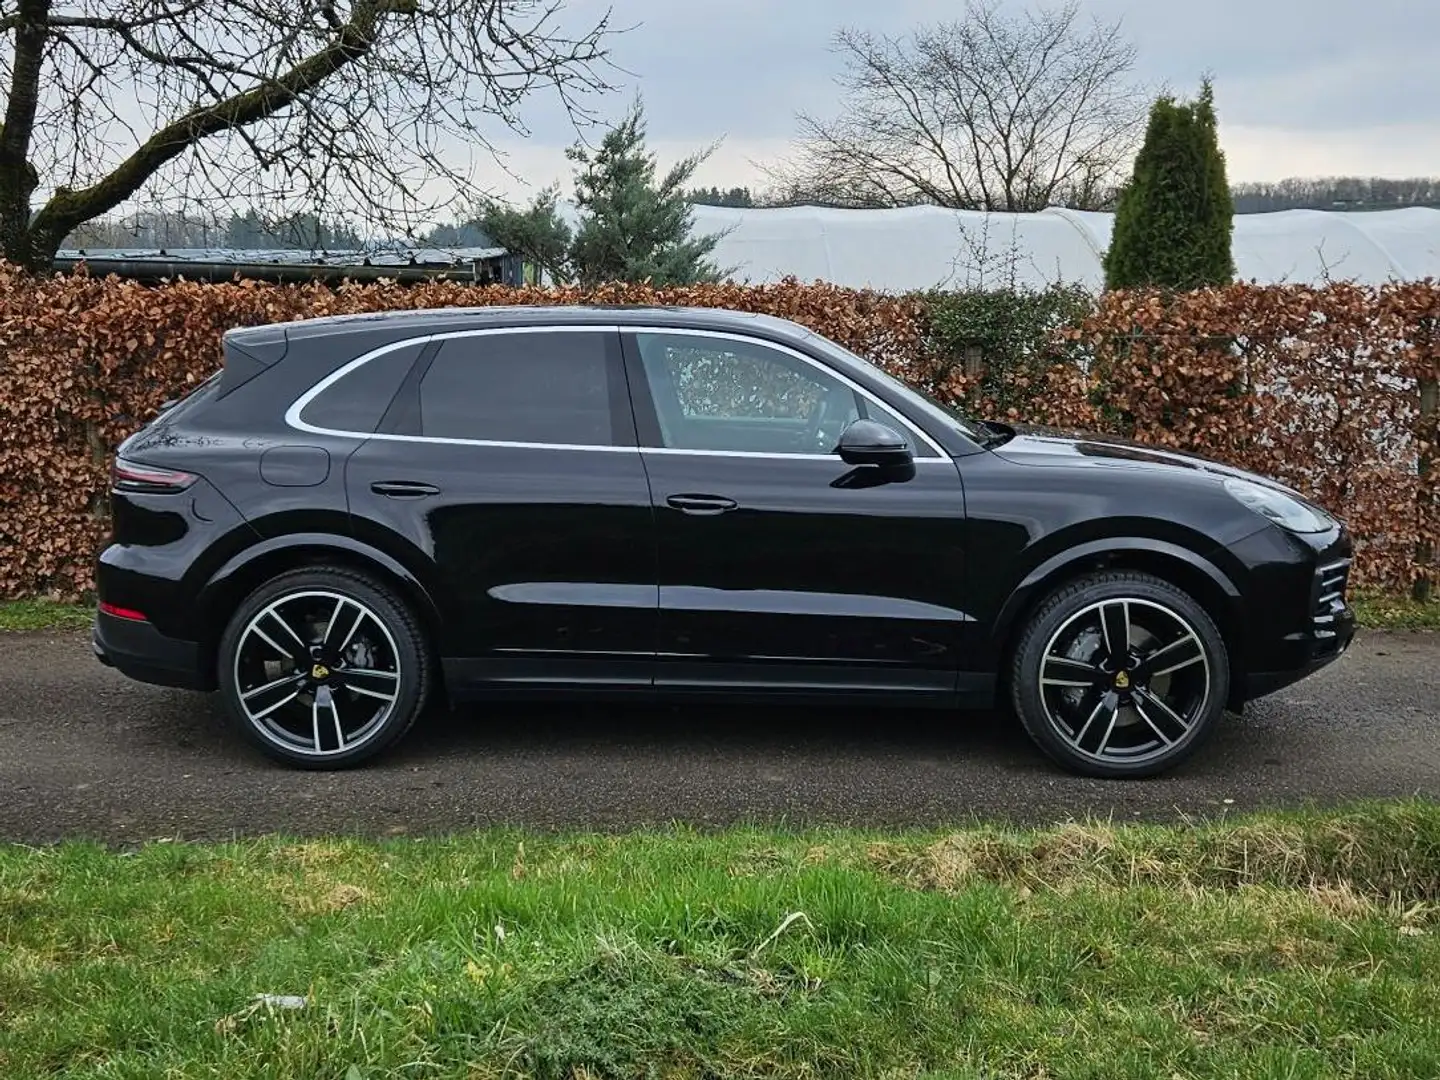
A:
[634,734]
[509,728]
[708,728]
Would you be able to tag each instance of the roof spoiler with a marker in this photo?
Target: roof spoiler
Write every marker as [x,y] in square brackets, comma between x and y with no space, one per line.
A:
[248,351]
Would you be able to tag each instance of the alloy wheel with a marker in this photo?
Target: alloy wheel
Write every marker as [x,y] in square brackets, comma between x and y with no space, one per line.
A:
[317,673]
[1124,680]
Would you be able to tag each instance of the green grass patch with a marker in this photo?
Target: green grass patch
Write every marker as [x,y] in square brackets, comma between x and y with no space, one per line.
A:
[1387,611]
[1298,945]
[44,615]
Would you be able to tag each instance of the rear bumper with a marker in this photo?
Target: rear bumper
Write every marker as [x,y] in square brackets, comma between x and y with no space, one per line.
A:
[140,651]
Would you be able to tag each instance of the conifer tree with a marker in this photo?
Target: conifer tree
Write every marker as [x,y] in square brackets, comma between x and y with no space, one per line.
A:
[1174,222]
[633,225]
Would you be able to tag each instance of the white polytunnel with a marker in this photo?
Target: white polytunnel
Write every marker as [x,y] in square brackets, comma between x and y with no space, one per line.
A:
[926,247]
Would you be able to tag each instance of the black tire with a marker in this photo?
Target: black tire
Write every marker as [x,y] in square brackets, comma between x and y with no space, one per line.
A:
[342,685]
[1119,718]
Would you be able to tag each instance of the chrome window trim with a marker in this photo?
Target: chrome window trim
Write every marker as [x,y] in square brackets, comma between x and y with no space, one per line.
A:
[293,417]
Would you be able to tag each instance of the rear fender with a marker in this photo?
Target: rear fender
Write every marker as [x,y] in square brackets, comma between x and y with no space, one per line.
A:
[259,562]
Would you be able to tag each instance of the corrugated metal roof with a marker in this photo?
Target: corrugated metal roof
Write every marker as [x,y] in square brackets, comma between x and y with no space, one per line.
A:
[387,256]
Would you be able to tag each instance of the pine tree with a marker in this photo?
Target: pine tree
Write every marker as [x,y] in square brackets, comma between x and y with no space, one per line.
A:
[1174,222]
[633,228]
[737,197]
[537,234]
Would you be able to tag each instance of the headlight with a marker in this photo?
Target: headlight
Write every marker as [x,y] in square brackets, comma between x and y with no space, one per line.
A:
[1286,511]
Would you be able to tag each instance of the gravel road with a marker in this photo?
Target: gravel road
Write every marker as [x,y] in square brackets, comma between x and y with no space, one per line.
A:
[86,753]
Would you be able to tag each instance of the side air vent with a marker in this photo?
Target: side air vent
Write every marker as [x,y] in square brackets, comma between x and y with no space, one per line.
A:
[1331,581]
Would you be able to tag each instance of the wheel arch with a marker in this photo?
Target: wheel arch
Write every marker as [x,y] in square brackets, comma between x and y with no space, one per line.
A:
[247,570]
[1196,575]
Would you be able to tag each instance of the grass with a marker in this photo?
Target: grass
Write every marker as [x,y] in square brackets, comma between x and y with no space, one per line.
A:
[1390,612]
[44,615]
[1301,945]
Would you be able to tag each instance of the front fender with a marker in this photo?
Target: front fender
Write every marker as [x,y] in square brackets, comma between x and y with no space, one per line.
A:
[1065,563]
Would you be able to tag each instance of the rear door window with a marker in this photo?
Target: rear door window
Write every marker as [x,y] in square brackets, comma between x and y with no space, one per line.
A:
[552,387]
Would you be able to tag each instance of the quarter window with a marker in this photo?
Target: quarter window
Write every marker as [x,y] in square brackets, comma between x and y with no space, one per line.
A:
[714,393]
[554,387]
[358,399]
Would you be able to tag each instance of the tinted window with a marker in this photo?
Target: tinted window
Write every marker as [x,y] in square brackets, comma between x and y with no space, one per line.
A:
[715,393]
[191,398]
[548,387]
[919,401]
[358,399]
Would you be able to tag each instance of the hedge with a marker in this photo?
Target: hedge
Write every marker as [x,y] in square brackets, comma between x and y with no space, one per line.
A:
[1331,390]
[1319,387]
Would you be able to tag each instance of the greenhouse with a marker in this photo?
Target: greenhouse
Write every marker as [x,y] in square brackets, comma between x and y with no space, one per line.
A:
[926,246]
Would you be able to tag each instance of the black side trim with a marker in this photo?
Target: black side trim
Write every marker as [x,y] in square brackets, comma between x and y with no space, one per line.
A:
[622,411]
[402,416]
[628,676]
[1320,652]
[647,423]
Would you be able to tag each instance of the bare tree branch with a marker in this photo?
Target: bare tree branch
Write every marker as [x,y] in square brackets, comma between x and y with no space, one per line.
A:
[992,112]
[374,108]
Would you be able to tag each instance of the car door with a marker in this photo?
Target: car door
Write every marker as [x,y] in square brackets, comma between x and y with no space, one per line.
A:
[509,461]
[780,566]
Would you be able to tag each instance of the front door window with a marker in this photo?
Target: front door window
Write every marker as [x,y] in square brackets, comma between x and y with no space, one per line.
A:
[724,394]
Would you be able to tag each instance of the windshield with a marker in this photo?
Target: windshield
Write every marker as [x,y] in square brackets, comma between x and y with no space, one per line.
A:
[924,403]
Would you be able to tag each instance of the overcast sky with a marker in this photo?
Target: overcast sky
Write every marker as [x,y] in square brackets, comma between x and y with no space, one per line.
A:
[1303,87]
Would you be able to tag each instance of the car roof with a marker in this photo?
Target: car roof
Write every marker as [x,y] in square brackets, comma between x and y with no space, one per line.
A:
[438,320]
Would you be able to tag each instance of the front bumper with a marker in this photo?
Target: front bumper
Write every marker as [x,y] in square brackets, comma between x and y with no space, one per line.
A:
[1316,655]
[1327,633]
[140,651]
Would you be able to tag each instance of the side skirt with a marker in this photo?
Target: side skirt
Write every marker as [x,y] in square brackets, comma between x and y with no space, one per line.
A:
[633,680]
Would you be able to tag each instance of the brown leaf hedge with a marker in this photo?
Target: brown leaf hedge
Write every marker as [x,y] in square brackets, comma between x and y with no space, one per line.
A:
[1321,388]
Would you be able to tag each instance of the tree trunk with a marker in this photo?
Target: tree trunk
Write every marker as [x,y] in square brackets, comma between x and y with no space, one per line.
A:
[32,240]
[1424,550]
[15,240]
[18,179]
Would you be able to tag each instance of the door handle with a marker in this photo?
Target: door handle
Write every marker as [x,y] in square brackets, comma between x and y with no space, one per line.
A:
[403,489]
[701,504]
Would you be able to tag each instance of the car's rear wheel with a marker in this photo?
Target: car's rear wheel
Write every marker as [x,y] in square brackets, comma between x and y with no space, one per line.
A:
[323,668]
[1120,674]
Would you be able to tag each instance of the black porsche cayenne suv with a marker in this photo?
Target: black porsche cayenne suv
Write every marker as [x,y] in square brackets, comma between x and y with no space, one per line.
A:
[357,515]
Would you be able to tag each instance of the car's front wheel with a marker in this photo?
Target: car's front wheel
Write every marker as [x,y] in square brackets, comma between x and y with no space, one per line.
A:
[1119,674]
[323,668]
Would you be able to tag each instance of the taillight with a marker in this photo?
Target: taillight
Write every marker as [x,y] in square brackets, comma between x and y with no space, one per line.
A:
[130,476]
[122,612]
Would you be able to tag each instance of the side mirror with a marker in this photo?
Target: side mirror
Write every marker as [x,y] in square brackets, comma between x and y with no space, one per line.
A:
[867,442]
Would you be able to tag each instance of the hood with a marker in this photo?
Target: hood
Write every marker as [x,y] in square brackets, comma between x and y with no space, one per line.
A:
[1035,445]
